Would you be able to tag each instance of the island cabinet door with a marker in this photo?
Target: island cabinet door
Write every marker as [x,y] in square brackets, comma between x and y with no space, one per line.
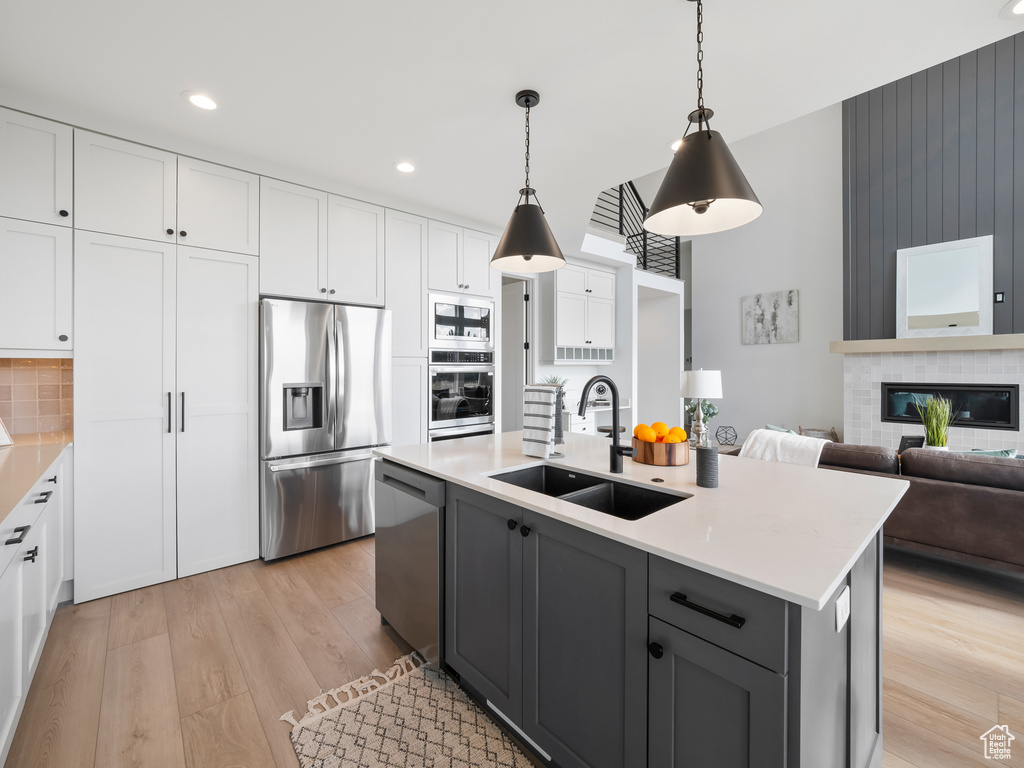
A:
[585,645]
[483,596]
[708,706]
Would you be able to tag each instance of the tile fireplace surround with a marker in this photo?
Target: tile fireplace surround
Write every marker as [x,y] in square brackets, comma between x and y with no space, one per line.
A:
[863,374]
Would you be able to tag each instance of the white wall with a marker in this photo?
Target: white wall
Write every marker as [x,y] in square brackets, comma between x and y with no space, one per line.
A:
[796,171]
[658,357]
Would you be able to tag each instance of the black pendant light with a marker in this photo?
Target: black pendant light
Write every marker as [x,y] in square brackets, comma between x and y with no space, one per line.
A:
[527,244]
[704,189]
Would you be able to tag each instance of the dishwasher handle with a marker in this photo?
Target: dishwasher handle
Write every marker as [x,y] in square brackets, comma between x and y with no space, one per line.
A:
[423,487]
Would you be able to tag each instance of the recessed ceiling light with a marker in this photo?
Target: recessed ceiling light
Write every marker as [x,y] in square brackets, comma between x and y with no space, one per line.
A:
[200,100]
[1012,10]
[406,167]
[679,142]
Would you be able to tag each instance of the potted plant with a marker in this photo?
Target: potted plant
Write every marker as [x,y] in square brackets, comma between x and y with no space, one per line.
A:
[937,416]
[560,382]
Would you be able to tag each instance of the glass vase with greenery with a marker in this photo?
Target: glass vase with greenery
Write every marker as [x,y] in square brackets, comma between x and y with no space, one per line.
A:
[937,416]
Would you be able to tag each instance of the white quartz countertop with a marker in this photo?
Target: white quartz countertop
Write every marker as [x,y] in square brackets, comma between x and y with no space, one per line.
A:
[24,462]
[791,532]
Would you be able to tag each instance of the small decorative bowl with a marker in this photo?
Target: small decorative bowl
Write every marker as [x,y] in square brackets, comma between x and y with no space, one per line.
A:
[662,454]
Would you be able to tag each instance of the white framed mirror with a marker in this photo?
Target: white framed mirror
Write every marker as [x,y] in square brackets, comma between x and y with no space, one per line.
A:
[945,289]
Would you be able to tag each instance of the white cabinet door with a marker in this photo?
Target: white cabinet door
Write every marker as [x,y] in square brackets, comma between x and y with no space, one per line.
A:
[124,188]
[12,656]
[218,207]
[124,414]
[35,169]
[409,400]
[570,319]
[477,275]
[35,286]
[405,240]
[600,284]
[600,322]
[217,364]
[355,252]
[293,240]
[444,270]
[33,558]
[54,481]
[571,279]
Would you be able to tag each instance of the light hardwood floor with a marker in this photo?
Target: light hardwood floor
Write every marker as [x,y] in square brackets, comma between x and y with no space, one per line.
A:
[196,672]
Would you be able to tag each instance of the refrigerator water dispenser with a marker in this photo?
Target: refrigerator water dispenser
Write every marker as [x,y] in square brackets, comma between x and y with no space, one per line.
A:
[303,406]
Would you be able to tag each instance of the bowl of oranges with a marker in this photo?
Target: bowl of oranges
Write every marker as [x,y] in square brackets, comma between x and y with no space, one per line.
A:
[661,445]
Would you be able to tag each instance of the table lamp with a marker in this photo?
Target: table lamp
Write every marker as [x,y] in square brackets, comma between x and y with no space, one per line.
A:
[701,385]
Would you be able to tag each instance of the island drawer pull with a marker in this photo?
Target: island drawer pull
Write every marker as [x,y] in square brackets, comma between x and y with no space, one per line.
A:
[43,497]
[21,529]
[732,621]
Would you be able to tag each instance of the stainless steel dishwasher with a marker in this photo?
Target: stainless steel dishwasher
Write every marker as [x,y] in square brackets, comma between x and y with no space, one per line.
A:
[409,551]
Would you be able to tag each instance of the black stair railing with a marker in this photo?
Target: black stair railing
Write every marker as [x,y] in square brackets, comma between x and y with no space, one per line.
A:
[622,210]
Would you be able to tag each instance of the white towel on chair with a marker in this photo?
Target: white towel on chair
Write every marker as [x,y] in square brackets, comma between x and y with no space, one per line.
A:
[539,420]
[769,445]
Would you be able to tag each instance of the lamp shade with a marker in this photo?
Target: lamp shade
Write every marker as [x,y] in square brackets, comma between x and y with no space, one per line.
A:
[702,170]
[527,244]
[702,384]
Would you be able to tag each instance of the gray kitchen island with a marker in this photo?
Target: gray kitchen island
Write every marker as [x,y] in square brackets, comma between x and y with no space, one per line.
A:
[734,626]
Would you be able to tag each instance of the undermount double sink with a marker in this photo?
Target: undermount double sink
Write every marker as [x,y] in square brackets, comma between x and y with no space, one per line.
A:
[622,500]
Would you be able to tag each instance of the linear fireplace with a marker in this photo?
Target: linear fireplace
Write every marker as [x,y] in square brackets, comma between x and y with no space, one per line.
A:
[982,406]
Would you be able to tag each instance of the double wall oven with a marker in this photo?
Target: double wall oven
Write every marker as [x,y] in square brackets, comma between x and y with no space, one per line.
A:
[461,367]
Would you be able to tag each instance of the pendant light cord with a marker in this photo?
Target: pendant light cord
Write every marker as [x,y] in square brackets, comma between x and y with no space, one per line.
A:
[527,149]
[700,55]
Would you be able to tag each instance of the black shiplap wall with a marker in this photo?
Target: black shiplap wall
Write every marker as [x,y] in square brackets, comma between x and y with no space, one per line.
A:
[936,156]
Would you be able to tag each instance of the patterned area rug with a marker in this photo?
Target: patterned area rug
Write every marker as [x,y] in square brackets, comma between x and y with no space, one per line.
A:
[411,715]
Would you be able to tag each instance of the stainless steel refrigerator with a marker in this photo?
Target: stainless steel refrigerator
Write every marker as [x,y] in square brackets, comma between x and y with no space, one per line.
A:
[325,401]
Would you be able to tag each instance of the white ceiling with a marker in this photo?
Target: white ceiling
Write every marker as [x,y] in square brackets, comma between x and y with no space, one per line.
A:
[342,89]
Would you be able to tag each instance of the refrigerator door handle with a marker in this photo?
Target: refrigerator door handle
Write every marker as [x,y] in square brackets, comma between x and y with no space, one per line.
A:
[285,467]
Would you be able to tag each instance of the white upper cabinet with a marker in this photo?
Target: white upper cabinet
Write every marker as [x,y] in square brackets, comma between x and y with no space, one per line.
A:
[601,322]
[293,240]
[355,252]
[600,285]
[584,301]
[477,275]
[125,189]
[218,207]
[460,260]
[405,237]
[36,284]
[35,169]
[571,279]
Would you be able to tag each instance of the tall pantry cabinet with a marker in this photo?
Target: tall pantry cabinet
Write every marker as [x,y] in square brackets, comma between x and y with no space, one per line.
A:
[165,370]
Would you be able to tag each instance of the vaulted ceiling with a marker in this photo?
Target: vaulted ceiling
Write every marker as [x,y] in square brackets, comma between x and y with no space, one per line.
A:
[343,89]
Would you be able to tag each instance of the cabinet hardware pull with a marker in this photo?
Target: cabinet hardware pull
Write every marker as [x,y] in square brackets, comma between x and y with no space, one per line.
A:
[461,285]
[170,427]
[525,531]
[323,290]
[63,213]
[182,411]
[43,497]
[62,337]
[183,233]
[170,231]
[656,650]
[732,621]
[52,479]
[511,524]
[466,286]
[32,554]
[23,530]
[331,291]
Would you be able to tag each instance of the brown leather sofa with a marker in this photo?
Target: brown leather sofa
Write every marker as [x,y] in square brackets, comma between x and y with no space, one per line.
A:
[965,507]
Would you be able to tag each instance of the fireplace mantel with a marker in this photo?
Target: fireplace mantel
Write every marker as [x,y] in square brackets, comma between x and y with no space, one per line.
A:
[935,344]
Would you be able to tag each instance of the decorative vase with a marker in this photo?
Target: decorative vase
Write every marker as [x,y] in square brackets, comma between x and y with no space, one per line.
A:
[937,447]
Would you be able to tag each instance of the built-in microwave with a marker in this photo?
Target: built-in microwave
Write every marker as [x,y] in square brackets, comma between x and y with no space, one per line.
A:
[461,322]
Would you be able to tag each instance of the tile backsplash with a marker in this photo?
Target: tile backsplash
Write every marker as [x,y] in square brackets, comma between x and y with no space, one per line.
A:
[36,394]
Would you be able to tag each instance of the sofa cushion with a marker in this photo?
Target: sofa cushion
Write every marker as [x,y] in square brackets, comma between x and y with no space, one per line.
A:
[860,457]
[963,468]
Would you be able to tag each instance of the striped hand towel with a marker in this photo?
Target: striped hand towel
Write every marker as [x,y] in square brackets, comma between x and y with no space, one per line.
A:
[539,420]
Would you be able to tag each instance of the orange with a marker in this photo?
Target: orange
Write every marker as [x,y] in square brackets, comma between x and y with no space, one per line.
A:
[660,427]
[671,437]
[646,434]
[661,438]
[636,431]
[678,432]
